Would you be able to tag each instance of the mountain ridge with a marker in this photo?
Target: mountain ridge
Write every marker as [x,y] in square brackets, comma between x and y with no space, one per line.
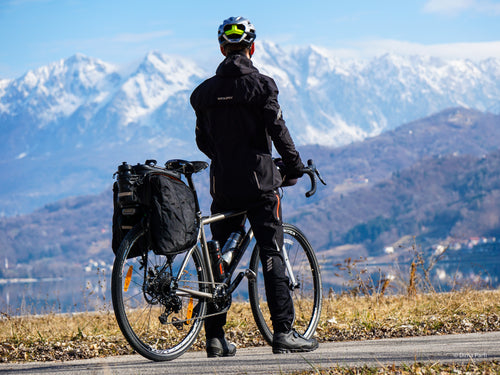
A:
[303,71]
[68,124]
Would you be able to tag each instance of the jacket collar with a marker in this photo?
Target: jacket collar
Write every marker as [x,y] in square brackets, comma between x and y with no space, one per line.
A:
[236,65]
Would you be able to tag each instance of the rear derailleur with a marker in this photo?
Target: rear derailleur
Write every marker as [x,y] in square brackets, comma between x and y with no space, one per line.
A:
[158,289]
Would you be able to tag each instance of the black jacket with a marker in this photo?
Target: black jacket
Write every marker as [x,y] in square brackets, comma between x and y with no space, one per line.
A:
[238,116]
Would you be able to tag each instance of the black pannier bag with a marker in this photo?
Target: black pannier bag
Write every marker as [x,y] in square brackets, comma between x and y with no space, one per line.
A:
[125,217]
[127,207]
[173,223]
[144,191]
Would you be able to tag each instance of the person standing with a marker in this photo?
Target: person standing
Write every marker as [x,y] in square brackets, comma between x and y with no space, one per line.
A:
[238,119]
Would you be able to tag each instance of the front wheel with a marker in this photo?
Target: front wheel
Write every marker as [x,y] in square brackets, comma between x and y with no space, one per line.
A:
[306,293]
[158,320]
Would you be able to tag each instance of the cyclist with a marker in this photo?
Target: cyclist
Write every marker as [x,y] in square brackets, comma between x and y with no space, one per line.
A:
[238,120]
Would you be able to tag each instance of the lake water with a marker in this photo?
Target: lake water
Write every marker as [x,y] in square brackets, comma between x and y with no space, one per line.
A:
[21,297]
[92,292]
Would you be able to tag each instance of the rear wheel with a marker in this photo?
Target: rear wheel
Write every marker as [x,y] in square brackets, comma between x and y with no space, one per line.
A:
[306,293]
[159,321]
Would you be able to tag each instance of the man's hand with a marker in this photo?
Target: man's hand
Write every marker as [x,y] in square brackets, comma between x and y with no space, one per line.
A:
[296,171]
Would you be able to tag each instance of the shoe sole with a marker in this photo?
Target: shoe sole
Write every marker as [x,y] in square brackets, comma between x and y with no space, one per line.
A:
[285,350]
[219,354]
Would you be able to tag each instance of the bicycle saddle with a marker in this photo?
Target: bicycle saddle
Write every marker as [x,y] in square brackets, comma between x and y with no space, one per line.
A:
[185,167]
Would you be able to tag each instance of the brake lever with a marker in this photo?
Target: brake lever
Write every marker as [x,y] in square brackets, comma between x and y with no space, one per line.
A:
[312,166]
[319,177]
[310,171]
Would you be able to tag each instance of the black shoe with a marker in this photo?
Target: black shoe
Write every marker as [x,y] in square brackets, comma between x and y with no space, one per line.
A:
[217,347]
[292,342]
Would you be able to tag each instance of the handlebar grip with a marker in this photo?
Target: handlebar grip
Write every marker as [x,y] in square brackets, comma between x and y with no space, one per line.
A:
[310,171]
[313,184]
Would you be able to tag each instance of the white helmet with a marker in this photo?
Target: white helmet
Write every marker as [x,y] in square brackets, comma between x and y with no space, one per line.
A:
[236,30]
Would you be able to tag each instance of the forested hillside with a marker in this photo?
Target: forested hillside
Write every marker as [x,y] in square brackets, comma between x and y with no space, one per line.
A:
[436,179]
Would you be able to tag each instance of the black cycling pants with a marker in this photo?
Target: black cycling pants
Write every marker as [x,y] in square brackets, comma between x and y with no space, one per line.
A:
[265,218]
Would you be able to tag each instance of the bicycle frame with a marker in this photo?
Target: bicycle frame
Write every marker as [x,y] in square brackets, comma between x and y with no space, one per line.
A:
[202,239]
[206,220]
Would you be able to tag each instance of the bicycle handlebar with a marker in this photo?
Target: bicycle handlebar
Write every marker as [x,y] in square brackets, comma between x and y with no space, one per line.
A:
[188,168]
[312,172]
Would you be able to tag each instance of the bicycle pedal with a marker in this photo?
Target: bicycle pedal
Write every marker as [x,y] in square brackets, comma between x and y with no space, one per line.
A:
[250,275]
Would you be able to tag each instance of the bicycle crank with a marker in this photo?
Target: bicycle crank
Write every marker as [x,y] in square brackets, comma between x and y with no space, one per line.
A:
[249,274]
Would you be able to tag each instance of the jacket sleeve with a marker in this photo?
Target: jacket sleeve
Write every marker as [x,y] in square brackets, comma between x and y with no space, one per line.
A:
[202,138]
[278,131]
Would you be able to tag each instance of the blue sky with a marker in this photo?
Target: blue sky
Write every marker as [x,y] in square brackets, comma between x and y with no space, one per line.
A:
[36,32]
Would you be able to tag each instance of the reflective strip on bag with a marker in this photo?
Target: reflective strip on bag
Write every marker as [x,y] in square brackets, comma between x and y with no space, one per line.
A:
[128,211]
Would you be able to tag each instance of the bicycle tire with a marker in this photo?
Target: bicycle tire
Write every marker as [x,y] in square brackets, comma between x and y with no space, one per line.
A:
[307,298]
[138,311]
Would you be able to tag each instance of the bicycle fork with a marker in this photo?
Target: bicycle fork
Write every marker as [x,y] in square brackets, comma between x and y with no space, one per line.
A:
[293,282]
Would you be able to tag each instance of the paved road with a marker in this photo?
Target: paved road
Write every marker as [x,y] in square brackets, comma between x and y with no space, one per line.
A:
[448,348]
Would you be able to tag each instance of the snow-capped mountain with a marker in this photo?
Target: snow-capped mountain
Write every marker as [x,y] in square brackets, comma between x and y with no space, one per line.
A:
[67,125]
[80,101]
[332,101]
[52,92]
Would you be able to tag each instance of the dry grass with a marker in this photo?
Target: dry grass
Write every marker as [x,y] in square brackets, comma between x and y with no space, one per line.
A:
[87,335]
[355,318]
[492,367]
[60,337]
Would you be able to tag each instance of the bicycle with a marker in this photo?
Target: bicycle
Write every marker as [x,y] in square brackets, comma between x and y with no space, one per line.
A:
[160,301]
